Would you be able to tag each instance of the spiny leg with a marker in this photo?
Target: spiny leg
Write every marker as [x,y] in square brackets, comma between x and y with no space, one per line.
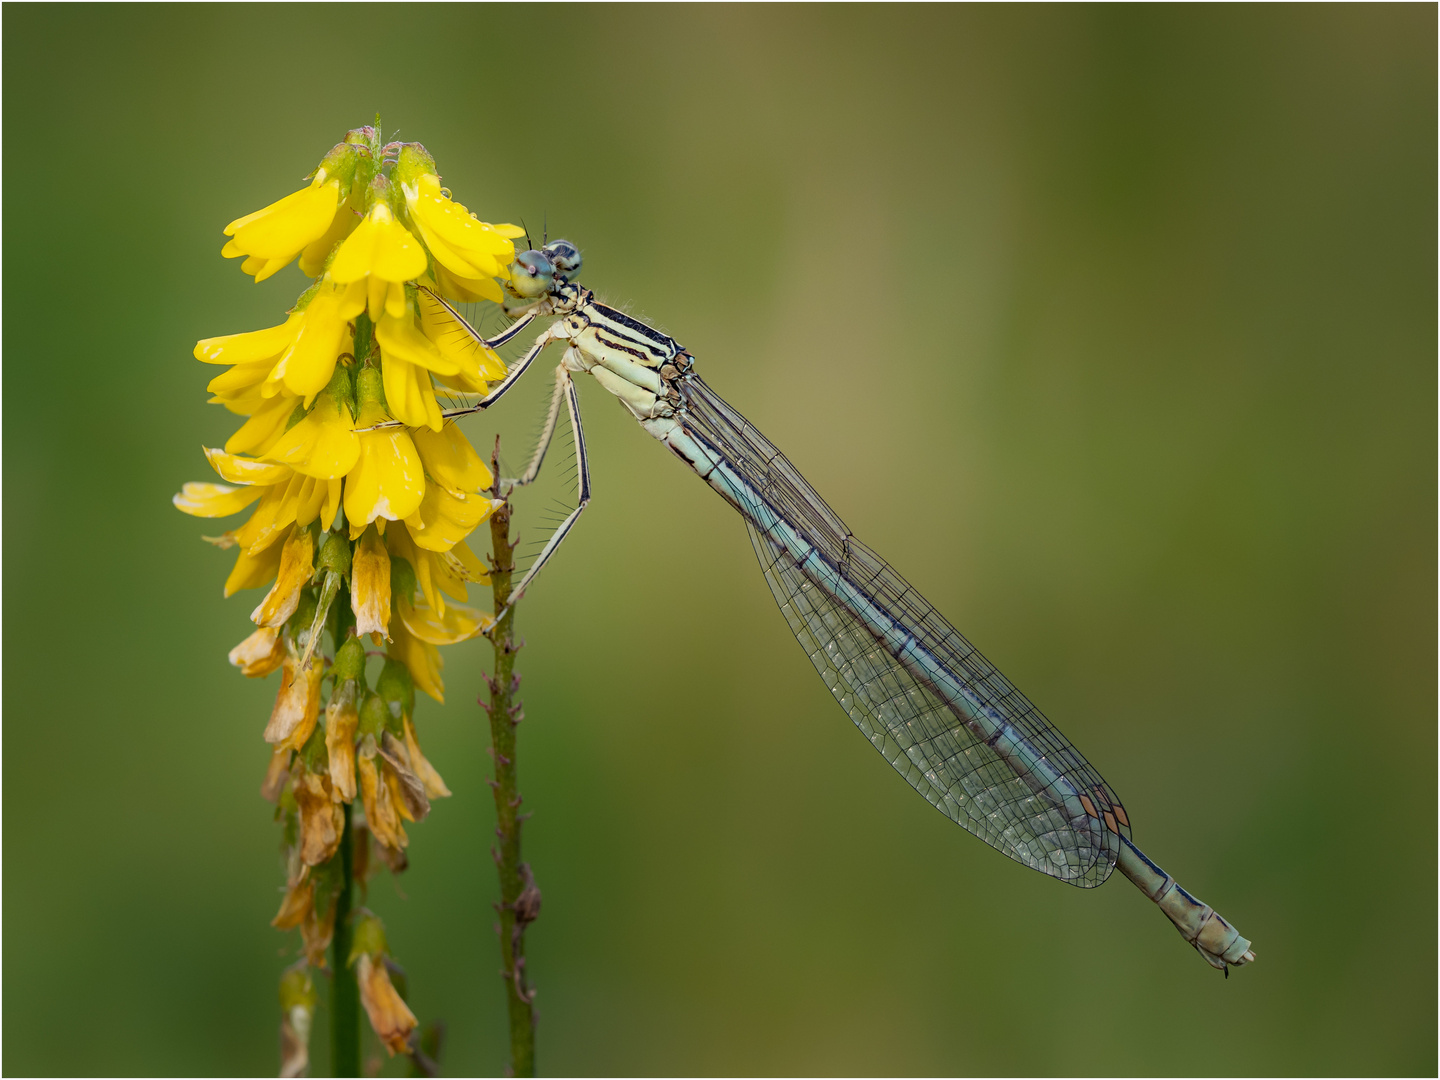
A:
[547,433]
[469,331]
[566,385]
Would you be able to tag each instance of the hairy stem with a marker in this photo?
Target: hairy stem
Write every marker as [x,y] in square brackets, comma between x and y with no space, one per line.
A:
[519,899]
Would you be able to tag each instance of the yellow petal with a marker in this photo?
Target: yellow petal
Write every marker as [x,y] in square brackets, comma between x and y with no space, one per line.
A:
[467,290]
[341,720]
[352,261]
[297,705]
[401,339]
[331,506]
[324,444]
[398,256]
[266,425]
[283,228]
[420,658]
[456,340]
[387,482]
[434,785]
[389,1015]
[410,394]
[307,365]
[459,623]
[450,459]
[444,519]
[214,500]
[253,570]
[313,493]
[312,259]
[296,569]
[299,899]
[239,379]
[381,813]
[370,585]
[241,470]
[260,653]
[252,347]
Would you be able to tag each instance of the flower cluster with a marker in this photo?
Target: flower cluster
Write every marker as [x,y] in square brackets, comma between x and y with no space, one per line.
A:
[360,502]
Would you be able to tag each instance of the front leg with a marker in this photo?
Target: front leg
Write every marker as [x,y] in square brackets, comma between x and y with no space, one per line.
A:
[564,388]
[547,433]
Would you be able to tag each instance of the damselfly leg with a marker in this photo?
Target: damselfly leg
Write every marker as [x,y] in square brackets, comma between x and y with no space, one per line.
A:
[564,392]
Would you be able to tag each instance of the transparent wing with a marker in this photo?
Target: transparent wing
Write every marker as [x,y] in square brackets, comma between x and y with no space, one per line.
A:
[921,735]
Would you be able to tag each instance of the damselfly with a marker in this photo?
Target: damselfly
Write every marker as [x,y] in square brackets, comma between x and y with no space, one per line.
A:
[938,711]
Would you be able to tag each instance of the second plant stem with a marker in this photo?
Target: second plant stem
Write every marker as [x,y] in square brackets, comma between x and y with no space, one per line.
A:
[519,898]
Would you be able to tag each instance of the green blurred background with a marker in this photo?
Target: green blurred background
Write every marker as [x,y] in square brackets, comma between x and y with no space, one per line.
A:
[1114,329]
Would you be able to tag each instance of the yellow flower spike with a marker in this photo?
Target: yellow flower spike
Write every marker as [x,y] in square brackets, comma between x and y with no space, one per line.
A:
[388,482]
[322,821]
[264,427]
[324,444]
[341,719]
[451,460]
[253,570]
[420,658]
[297,705]
[296,569]
[201,499]
[389,1015]
[260,653]
[370,586]
[243,470]
[434,785]
[306,366]
[252,347]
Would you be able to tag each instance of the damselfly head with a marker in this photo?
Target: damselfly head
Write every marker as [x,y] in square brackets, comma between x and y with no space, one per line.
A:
[564,257]
[531,274]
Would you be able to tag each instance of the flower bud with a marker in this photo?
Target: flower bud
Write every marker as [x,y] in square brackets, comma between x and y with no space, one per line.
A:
[397,690]
[349,663]
[297,1011]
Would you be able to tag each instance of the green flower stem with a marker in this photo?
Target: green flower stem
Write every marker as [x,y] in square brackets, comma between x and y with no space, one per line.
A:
[519,899]
[344,991]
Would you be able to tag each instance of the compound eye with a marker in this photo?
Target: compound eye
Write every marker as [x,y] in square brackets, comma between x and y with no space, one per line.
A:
[564,256]
[531,274]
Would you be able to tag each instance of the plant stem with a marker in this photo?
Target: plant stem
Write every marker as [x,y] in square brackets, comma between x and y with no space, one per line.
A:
[344,992]
[519,899]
